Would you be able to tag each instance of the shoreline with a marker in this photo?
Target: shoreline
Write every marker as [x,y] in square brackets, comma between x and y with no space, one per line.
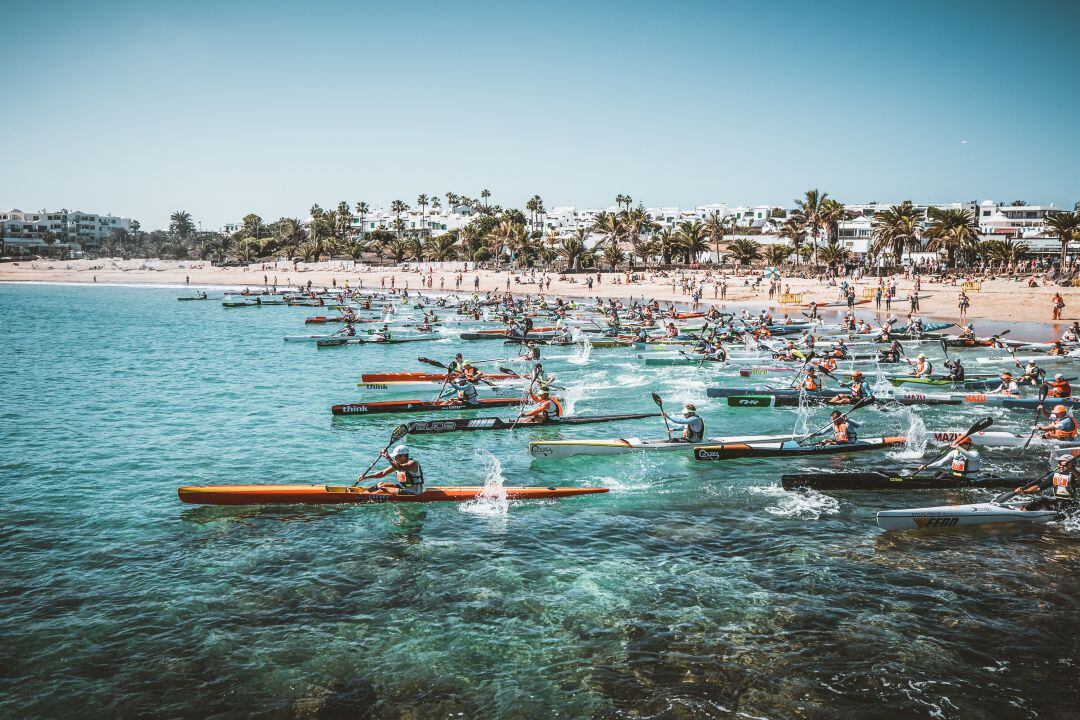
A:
[1001,301]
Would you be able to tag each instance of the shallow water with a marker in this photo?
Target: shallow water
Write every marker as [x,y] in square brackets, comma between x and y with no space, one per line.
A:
[690,590]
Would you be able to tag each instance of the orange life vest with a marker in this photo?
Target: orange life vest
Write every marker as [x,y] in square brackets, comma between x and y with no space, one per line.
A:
[1061,484]
[840,431]
[1059,388]
[810,384]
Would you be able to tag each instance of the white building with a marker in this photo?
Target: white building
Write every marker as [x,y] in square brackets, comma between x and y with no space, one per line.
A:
[54,231]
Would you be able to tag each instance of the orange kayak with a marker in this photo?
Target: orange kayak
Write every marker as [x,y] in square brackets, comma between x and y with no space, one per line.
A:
[335,494]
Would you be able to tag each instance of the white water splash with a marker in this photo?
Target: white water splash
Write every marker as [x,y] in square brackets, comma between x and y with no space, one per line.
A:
[804,504]
[802,419]
[581,357]
[916,437]
[492,501]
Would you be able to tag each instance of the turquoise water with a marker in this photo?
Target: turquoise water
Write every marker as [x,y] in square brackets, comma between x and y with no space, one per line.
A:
[691,590]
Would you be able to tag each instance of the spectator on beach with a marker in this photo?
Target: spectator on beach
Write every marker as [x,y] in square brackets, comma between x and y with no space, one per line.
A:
[964,304]
[1059,305]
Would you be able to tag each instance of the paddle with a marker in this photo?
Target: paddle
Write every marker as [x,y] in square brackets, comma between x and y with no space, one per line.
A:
[977,426]
[399,432]
[945,348]
[525,399]
[795,379]
[660,404]
[1013,493]
[1038,415]
[840,382]
[860,404]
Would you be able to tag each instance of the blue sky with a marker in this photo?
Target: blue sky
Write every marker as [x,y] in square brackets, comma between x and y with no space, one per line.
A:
[228,107]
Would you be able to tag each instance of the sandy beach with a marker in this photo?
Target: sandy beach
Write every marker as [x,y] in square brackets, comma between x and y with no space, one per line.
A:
[1001,300]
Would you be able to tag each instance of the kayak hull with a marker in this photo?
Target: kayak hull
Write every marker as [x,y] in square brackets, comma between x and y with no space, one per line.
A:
[404,406]
[947,516]
[791,448]
[429,427]
[624,446]
[870,480]
[345,494]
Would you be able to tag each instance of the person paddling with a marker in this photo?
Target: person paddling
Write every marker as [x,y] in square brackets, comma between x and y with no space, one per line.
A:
[410,476]
[963,462]
[956,370]
[464,389]
[1061,425]
[1008,386]
[921,367]
[692,424]
[858,390]
[844,429]
[547,409]
[1063,486]
[1059,387]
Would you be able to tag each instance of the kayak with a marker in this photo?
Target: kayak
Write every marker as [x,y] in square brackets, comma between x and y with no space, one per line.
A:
[502,335]
[835,304]
[972,384]
[403,406]
[337,494]
[338,342]
[792,448]
[874,480]
[622,446]
[679,361]
[427,427]
[750,398]
[997,438]
[1002,401]
[956,515]
[421,377]
[1073,354]
[512,388]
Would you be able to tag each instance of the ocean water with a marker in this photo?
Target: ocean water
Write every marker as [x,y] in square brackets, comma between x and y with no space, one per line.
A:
[691,590]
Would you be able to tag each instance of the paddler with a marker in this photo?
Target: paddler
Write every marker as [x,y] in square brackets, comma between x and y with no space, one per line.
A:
[844,429]
[672,331]
[455,366]
[692,424]
[790,353]
[382,334]
[1071,335]
[1056,349]
[547,408]
[530,352]
[470,373]
[410,476]
[956,370]
[1033,374]
[858,390]
[1058,387]
[464,389]
[1063,484]
[921,367]
[827,363]
[810,383]
[968,332]
[963,462]
[642,336]
[1008,386]
[1061,426]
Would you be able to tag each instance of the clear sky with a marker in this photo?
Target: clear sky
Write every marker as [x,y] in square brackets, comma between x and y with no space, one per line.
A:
[222,108]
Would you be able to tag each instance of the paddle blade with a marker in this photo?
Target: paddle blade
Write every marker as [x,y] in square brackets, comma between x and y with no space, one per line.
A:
[980,425]
[656,399]
[399,432]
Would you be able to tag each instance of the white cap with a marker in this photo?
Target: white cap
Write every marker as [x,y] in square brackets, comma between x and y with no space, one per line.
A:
[399,450]
[1059,376]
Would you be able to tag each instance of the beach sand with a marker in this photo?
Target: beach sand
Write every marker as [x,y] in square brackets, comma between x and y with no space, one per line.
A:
[1001,300]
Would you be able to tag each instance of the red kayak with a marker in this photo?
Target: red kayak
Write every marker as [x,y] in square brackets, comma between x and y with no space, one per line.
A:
[321,319]
[836,304]
[418,377]
[507,331]
[404,406]
[337,494]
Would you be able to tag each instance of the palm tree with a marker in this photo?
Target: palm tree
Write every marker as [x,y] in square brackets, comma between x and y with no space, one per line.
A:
[531,206]
[951,230]
[811,209]
[692,239]
[414,248]
[342,221]
[667,245]
[832,213]
[610,225]
[777,254]
[503,236]
[1004,251]
[793,230]
[573,249]
[291,231]
[1018,203]
[715,227]
[484,195]
[896,230]
[362,210]
[397,249]
[451,201]
[398,207]
[181,224]
[441,248]
[745,251]
[422,201]
[1066,225]
[834,255]
[613,255]
[635,223]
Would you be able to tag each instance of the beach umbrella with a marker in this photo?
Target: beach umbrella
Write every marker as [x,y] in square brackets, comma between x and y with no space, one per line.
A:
[772,272]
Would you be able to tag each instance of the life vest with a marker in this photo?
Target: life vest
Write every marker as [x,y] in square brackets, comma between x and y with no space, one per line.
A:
[1062,481]
[829,364]
[840,431]
[471,374]
[468,392]
[1060,388]
[1066,428]
[923,368]
[691,435]
[810,384]
[408,478]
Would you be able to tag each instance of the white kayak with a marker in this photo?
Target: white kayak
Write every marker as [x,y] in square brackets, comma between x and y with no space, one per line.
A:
[622,446]
[996,438]
[999,357]
[946,516]
[510,388]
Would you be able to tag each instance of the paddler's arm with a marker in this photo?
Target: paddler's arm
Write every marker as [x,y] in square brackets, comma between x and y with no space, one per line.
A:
[538,410]
[1035,486]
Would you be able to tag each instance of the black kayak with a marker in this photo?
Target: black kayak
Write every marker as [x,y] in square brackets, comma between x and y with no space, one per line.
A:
[874,480]
[426,427]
